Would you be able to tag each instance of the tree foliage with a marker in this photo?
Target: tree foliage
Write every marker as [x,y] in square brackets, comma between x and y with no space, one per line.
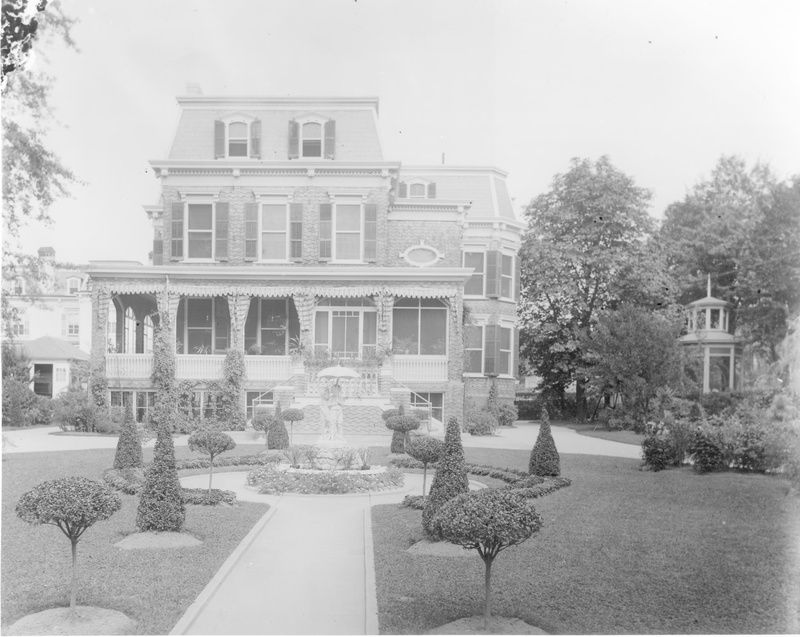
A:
[741,226]
[585,250]
[129,445]
[212,443]
[426,449]
[489,521]
[544,460]
[450,478]
[161,506]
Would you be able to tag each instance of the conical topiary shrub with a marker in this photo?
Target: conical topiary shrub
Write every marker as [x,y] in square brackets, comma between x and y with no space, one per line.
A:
[161,506]
[450,479]
[544,457]
[129,445]
[277,436]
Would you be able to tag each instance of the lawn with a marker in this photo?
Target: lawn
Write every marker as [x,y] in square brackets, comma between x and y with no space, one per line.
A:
[621,551]
[593,430]
[153,587]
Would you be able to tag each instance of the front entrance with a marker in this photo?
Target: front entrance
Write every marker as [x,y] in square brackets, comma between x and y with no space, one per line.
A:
[43,380]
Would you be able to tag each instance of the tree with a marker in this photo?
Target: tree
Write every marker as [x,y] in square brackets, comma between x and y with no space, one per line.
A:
[544,460]
[72,504]
[401,425]
[277,436]
[426,449]
[742,227]
[292,415]
[634,352]
[129,445]
[161,506]
[585,250]
[450,478]
[489,521]
[212,443]
[33,176]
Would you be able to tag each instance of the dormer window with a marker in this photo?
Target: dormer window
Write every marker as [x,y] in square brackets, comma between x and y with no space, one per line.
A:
[237,136]
[312,138]
[73,285]
[416,189]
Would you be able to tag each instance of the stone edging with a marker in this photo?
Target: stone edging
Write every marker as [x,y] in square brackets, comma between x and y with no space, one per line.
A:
[370,587]
[187,619]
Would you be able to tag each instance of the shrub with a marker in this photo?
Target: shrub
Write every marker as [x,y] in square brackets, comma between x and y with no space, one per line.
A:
[208,497]
[161,505]
[414,502]
[401,425]
[489,521]
[264,458]
[659,452]
[450,479]
[426,449]
[345,457]
[43,411]
[74,410]
[73,505]
[270,481]
[311,453]
[129,445]
[211,442]
[19,403]
[706,451]
[293,415]
[480,423]
[506,415]
[391,412]
[544,460]
[277,436]
[129,480]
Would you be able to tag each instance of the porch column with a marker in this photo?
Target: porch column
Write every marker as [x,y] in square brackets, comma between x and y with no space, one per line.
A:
[706,369]
[385,306]
[305,304]
[98,383]
[167,303]
[238,305]
[455,345]
[731,370]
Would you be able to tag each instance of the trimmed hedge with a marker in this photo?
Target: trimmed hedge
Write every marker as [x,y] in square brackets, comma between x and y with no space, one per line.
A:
[129,445]
[229,461]
[506,474]
[208,498]
[161,505]
[414,502]
[544,460]
[270,481]
[450,479]
[480,423]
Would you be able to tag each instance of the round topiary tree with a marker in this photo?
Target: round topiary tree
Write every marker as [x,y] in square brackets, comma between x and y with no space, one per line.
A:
[292,414]
[545,460]
[211,442]
[426,449]
[489,521]
[129,445]
[73,505]
[401,425]
[277,436]
[161,506]
[450,478]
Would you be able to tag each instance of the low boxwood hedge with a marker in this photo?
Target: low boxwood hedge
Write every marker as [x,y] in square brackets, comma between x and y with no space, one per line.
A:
[270,481]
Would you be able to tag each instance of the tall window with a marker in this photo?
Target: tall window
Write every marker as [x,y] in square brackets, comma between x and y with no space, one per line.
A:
[419,327]
[473,350]
[270,327]
[474,286]
[504,351]
[506,276]
[312,139]
[488,349]
[346,328]
[274,231]
[203,326]
[347,232]
[237,139]
[200,230]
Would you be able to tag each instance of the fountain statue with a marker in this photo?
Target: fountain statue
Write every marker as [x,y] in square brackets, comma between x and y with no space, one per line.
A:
[332,415]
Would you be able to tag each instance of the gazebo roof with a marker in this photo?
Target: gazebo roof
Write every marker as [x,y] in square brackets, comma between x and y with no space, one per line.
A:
[50,348]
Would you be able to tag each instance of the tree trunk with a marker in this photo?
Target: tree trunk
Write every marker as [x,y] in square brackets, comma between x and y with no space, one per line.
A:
[580,400]
[487,609]
[424,477]
[210,473]
[74,583]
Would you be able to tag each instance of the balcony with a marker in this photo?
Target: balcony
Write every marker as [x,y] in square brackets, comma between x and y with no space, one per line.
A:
[197,366]
[419,368]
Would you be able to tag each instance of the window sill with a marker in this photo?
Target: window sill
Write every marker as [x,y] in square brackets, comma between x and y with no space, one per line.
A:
[347,262]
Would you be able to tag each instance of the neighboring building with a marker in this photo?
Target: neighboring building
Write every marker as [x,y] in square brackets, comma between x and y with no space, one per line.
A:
[709,333]
[283,232]
[53,321]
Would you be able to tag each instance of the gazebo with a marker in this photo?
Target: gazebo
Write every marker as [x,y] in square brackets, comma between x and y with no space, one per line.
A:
[708,324]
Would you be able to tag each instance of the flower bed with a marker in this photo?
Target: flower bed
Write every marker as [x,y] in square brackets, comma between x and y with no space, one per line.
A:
[506,475]
[271,480]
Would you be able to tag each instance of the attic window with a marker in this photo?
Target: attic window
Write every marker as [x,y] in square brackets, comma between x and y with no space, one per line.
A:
[417,189]
[312,138]
[237,136]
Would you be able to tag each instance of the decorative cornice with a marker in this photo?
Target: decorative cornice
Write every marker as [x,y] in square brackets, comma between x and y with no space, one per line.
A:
[257,168]
[279,103]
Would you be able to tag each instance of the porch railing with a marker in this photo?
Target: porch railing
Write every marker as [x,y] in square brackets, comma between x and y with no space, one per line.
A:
[268,367]
[419,368]
[129,365]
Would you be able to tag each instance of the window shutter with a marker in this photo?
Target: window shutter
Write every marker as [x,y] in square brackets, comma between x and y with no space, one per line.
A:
[176,230]
[294,140]
[255,139]
[493,270]
[402,190]
[221,231]
[371,232]
[158,252]
[296,231]
[491,346]
[250,231]
[432,190]
[325,230]
[515,352]
[219,139]
[517,277]
[330,139]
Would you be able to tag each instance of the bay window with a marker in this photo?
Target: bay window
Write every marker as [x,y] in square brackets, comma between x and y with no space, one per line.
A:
[488,349]
[419,327]
[474,286]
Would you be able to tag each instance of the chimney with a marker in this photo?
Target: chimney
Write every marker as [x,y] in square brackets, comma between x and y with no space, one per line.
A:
[47,253]
[192,88]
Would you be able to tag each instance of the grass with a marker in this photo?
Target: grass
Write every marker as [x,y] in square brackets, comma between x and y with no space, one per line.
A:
[621,551]
[593,430]
[153,587]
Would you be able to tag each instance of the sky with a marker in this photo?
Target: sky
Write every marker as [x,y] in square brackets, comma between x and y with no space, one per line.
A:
[662,87]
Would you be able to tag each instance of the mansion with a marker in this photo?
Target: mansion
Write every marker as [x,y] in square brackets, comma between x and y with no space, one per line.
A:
[283,232]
